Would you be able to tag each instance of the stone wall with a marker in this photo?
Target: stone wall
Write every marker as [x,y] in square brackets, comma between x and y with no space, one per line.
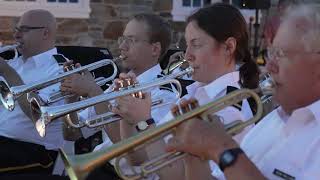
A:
[107,21]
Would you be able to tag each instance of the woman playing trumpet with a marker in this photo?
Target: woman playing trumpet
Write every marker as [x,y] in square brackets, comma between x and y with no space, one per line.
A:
[217,40]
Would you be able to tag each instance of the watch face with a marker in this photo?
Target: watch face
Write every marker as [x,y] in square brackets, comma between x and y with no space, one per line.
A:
[142,125]
[228,157]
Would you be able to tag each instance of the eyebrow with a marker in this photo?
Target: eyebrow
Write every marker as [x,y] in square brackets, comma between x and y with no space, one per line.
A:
[130,36]
[194,40]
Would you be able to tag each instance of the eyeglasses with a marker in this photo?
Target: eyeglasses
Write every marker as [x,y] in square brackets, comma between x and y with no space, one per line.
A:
[129,40]
[25,29]
[277,53]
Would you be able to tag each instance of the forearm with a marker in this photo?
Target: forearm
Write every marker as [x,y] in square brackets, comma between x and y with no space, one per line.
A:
[243,169]
[175,170]
[196,168]
[138,156]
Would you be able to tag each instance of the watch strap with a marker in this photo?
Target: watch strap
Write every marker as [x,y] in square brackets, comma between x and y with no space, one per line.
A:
[148,121]
[233,152]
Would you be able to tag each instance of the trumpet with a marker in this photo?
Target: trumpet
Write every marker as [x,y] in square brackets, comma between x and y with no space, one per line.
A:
[10,48]
[174,66]
[42,115]
[100,81]
[266,85]
[10,94]
[79,166]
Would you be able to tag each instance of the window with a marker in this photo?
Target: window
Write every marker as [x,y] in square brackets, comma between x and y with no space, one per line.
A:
[60,8]
[183,8]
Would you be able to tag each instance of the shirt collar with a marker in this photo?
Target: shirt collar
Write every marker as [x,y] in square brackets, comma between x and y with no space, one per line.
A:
[43,58]
[220,84]
[150,74]
[300,117]
[314,108]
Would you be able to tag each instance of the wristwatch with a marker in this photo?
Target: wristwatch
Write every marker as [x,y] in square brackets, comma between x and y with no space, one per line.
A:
[229,157]
[143,125]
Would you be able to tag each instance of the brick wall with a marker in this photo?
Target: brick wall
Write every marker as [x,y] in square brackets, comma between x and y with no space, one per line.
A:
[107,21]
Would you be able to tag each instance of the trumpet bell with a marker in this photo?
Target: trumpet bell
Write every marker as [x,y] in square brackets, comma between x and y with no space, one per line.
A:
[17,91]
[35,102]
[7,98]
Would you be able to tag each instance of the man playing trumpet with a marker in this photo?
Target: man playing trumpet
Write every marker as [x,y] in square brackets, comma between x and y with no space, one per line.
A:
[286,143]
[22,149]
[145,39]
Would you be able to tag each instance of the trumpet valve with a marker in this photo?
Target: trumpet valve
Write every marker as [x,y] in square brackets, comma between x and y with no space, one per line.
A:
[175,111]
[193,103]
[184,107]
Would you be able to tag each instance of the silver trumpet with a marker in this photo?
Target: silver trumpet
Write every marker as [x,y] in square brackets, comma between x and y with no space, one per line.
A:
[266,88]
[10,94]
[10,48]
[100,81]
[42,115]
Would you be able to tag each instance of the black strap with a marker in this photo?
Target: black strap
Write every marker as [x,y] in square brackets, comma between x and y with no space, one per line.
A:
[225,162]
[59,58]
[251,101]
[184,83]
[231,89]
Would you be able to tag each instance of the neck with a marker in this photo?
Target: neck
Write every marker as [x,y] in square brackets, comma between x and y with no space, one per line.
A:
[145,66]
[40,50]
[227,70]
[300,104]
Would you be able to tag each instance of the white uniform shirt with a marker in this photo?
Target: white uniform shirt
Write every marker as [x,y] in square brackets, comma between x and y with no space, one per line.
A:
[287,144]
[212,91]
[16,124]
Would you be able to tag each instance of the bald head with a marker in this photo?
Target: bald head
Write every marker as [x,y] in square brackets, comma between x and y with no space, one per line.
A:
[304,20]
[36,32]
[41,18]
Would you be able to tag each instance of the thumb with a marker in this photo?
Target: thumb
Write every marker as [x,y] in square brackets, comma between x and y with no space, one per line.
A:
[147,95]
[173,145]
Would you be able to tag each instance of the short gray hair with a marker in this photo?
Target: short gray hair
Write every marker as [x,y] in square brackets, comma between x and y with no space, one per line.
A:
[310,15]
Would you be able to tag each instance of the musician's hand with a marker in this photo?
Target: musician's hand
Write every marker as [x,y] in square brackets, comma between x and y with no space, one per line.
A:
[201,138]
[134,109]
[69,65]
[196,168]
[81,85]
[124,80]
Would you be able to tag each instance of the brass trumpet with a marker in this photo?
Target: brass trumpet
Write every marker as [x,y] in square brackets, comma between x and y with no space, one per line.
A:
[10,48]
[79,166]
[42,115]
[10,94]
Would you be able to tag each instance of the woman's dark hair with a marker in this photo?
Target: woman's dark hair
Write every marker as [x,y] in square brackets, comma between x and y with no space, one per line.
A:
[222,21]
